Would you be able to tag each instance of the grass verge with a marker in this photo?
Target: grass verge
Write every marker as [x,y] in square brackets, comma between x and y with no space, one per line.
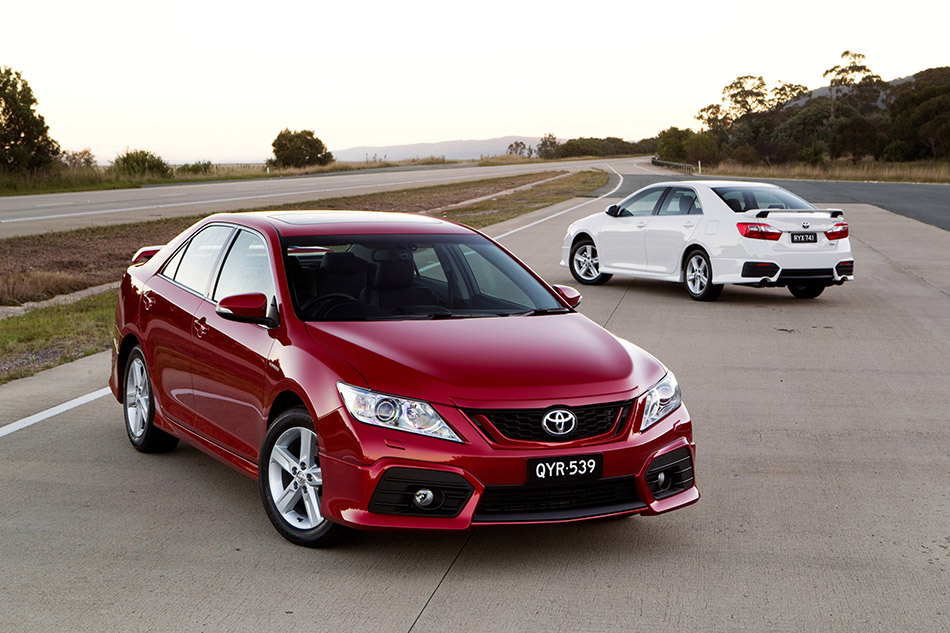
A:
[47,337]
[922,171]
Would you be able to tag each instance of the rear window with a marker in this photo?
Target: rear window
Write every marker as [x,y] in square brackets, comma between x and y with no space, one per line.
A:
[741,199]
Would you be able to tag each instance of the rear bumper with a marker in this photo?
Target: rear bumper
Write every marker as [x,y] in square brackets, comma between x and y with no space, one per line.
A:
[769,272]
[488,489]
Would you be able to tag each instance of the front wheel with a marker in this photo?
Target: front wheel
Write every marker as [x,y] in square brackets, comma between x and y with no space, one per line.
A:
[585,264]
[805,291]
[699,283]
[291,483]
[138,405]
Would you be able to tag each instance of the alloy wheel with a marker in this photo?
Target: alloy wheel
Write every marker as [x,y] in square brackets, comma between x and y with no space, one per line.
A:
[295,479]
[138,392]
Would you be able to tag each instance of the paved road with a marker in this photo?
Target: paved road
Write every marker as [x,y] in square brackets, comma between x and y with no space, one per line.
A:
[29,215]
[822,435]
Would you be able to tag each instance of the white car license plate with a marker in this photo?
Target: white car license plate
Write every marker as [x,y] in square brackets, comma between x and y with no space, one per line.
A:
[546,470]
[804,238]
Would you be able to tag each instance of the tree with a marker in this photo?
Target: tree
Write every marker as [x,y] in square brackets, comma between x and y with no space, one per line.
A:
[785,92]
[25,144]
[702,148]
[517,148]
[746,95]
[300,149]
[548,147]
[714,117]
[845,75]
[671,143]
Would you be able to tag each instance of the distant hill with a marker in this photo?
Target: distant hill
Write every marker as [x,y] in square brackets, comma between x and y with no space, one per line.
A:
[451,150]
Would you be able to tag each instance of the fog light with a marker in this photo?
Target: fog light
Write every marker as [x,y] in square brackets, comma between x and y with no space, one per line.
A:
[423,498]
[663,482]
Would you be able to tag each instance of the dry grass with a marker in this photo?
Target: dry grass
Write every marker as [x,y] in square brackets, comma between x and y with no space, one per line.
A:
[869,170]
[33,285]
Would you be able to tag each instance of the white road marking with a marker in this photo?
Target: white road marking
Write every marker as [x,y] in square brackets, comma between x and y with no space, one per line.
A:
[62,408]
[578,206]
[649,171]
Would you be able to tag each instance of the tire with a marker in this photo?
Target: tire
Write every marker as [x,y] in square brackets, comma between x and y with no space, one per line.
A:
[698,277]
[138,407]
[291,483]
[584,264]
[806,291]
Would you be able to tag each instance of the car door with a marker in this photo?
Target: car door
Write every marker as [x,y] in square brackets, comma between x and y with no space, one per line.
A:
[230,358]
[169,301]
[670,228]
[620,243]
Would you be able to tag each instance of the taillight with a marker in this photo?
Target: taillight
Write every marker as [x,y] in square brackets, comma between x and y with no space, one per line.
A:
[758,231]
[838,232]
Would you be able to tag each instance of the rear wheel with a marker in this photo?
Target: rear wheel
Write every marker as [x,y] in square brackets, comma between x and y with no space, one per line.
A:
[291,482]
[585,264]
[699,283]
[806,291]
[138,404]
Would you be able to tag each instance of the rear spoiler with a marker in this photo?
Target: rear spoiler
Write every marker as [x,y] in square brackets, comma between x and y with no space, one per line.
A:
[835,213]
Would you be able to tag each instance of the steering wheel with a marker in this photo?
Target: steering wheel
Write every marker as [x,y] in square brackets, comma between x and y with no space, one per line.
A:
[323,300]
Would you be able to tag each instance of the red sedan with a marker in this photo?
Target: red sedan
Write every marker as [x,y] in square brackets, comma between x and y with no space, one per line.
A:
[380,370]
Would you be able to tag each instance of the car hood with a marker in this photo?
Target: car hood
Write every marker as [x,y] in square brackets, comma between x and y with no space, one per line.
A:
[509,361]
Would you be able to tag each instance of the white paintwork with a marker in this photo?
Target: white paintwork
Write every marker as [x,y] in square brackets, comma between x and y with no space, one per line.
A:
[654,246]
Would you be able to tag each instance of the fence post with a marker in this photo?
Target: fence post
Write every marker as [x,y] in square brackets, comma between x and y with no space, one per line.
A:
[700,163]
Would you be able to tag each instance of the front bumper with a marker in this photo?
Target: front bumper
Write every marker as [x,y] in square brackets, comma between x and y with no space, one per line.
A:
[643,473]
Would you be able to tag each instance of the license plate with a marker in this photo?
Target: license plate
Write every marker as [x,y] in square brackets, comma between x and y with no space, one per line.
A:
[547,470]
[804,238]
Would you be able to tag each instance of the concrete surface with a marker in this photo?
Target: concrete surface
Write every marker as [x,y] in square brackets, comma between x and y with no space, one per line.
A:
[823,460]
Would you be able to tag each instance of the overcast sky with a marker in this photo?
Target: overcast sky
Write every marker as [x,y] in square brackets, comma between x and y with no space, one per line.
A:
[217,80]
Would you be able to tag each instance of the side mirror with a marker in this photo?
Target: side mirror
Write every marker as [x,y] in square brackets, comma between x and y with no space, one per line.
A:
[613,210]
[249,308]
[571,296]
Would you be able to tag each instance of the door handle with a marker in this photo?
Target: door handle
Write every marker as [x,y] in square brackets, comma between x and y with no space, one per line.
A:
[688,225]
[148,300]
[201,327]
[640,225]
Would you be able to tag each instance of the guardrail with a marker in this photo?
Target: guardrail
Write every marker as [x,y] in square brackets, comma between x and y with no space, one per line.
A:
[689,169]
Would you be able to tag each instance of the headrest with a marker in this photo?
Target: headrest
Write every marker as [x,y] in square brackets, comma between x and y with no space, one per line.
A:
[340,263]
[686,203]
[394,274]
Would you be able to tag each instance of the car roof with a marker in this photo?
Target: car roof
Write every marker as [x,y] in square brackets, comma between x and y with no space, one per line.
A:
[714,183]
[336,222]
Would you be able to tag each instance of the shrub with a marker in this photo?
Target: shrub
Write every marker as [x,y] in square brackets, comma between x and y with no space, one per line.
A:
[141,162]
[300,149]
[195,168]
[745,154]
[82,159]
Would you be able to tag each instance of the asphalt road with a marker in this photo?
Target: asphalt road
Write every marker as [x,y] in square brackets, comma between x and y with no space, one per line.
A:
[823,461]
[29,215]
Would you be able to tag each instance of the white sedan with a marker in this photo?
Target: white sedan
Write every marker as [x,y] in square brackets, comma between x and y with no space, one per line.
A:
[709,233]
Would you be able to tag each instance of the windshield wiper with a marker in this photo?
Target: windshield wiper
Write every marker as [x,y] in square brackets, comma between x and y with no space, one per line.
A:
[540,311]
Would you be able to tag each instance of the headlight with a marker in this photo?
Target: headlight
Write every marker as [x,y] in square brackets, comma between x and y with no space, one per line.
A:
[661,400]
[395,413]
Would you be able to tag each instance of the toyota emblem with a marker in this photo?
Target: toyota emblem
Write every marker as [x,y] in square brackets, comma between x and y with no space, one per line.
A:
[559,422]
[805,225]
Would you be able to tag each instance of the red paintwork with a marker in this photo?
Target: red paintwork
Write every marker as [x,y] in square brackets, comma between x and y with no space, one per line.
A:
[215,381]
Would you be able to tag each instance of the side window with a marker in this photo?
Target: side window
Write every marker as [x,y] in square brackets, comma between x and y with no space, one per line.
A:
[428,264]
[642,203]
[679,202]
[247,268]
[200,256]
[171,266]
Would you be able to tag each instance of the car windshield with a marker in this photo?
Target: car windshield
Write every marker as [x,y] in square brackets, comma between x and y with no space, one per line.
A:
[745,198]
[389,277]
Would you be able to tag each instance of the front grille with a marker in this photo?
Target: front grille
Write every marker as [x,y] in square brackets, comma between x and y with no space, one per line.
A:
[806,274]
[677,470]
[845,269]
[558,502]
[525,424]
[397,486]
